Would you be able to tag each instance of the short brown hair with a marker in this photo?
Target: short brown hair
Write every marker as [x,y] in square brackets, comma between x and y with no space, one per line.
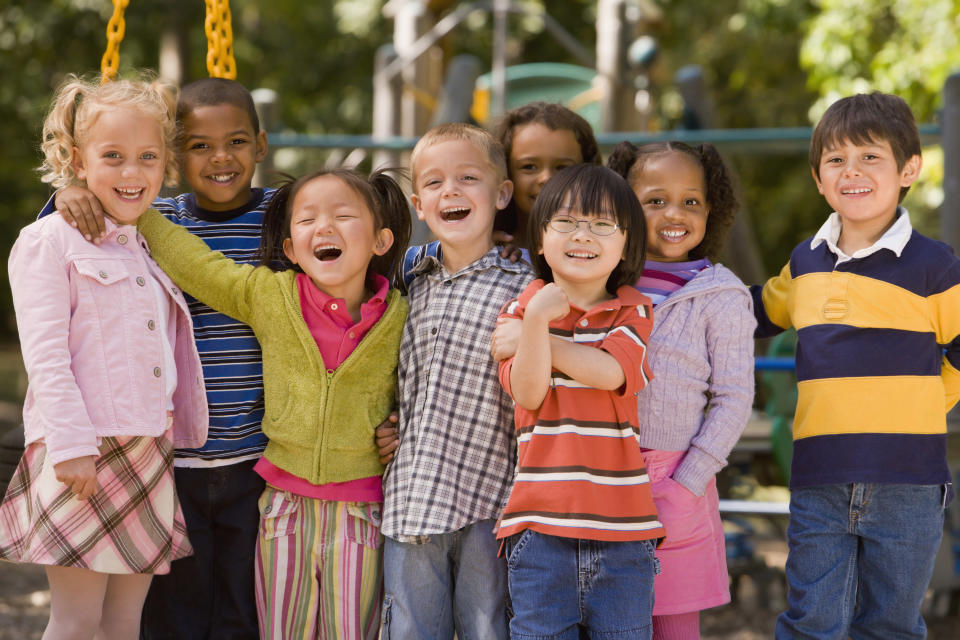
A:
[476,136]
[866,118]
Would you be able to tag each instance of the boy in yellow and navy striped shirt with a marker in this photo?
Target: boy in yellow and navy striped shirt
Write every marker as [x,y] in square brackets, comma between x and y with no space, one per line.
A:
[876,306]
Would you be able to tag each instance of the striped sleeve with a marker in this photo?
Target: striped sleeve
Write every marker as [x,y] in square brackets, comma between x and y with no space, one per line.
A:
[770,304]
[627,343]
[510,311]
[944,310]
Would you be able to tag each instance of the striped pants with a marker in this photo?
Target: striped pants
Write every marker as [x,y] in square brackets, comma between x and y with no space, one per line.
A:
[318,568]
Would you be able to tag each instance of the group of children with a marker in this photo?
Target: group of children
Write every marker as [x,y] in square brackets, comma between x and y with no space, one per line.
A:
[560,417]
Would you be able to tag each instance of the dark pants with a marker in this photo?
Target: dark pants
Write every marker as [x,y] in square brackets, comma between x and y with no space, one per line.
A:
[209,595]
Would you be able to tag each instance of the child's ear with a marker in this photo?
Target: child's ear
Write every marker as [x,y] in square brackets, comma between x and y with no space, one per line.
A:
[77,161]
[261,146]
[817,180]
[910,171]
[288,250]
[384,241]
[504,194]
[415,199]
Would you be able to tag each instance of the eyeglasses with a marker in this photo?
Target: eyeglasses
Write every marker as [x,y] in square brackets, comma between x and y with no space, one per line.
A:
[597,226]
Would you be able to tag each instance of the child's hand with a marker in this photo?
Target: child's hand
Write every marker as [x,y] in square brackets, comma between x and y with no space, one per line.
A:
[79,475]
[79,207]
[387,438]
[510,251]
[549,304]
[505,338]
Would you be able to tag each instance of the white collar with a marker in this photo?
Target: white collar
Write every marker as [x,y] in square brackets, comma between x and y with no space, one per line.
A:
[895,238]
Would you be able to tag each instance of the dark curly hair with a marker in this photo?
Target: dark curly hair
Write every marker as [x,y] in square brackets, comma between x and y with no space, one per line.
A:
[383,197]
[553,116]
[628,161]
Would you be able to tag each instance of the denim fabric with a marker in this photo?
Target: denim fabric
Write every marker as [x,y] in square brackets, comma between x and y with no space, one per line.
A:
[452,582]
[861,557]
[560,586]
[209,595]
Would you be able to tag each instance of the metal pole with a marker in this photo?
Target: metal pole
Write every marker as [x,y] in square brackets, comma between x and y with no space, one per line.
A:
[498,74]
[950,141]
[267,102]
[386,105]
[611,15]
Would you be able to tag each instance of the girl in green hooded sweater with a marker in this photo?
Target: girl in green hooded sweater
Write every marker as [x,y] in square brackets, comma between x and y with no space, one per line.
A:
[329,326]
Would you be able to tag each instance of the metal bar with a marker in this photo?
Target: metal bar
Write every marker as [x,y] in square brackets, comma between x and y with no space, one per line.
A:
[444,26]
[749,507]
[793,139]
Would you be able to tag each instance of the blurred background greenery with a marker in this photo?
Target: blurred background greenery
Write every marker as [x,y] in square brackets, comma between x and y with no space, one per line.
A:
[767,63]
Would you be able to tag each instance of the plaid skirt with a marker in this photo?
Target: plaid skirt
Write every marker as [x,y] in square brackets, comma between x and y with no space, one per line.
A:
[132,524]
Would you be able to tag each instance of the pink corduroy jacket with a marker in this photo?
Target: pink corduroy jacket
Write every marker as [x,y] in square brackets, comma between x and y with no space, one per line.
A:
[91,341]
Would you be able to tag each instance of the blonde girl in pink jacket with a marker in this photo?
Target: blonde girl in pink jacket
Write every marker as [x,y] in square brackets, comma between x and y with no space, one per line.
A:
[114,377]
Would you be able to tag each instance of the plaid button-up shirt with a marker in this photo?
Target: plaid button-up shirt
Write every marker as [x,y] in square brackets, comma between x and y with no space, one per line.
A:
[457,448]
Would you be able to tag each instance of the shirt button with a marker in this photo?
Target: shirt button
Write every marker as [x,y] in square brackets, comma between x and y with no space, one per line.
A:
[151,325]
[103,274]
[334,306]
[448,283]
[433,331]
[141,281]
[350,334]
[583,322]
[122,239]
[156,372]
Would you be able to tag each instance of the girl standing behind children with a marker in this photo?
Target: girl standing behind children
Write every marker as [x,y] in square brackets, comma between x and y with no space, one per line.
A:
[540,139]
[701,352]
[580,524]
[108,346]
[330,332]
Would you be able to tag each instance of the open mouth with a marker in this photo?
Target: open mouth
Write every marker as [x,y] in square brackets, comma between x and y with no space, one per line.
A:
[855,192]
[454,213]
[223,178]
[581,255]
[324,254]
[673,234]
[129,193]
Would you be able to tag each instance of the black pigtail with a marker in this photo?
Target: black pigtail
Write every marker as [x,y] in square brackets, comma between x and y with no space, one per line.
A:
[721,198]
[392,212]
[276,227]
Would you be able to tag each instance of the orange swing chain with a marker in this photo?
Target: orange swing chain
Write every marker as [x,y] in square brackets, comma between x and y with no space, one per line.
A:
[220,62]
[110,62]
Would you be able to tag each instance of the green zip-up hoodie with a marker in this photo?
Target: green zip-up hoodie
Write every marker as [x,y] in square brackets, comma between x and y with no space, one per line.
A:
[320,424]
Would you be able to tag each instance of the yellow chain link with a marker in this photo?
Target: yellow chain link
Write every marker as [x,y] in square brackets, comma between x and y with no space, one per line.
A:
[220,62]
[110,63]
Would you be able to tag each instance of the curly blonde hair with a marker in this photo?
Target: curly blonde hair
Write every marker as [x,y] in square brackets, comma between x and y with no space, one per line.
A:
[76,105]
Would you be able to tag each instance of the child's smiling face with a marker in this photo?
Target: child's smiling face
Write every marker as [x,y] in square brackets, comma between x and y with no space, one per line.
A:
[333,236]
[122,162]
[457,192]
[672,190]
[536,154]
[582,260]
[220,151]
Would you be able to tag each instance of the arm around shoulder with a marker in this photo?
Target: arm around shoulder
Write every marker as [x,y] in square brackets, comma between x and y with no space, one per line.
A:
[205,274]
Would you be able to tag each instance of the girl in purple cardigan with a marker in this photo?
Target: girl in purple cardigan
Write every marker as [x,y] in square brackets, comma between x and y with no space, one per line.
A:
[701,352]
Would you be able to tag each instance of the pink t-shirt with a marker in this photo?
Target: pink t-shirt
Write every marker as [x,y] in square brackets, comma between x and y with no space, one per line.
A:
[336,336]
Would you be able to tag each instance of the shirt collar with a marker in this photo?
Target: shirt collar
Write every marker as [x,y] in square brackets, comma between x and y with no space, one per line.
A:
[376,283]
[491,258]
[895,238]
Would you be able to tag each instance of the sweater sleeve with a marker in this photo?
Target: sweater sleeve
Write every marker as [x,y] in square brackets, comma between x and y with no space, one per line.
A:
[730,326]
[943,310]
[770,304]
[205,274]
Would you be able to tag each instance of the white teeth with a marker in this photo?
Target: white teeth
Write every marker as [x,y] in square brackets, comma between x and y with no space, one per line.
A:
[673,234]
[581,254]
[129,192]
[861,190]
[223,177]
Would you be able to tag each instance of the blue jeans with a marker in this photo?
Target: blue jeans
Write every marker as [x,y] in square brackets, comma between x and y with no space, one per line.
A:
[559,586]
[453,582]
[209,595]
[861,557]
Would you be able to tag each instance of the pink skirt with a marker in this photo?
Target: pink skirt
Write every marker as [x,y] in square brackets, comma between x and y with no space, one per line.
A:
[693,559]
[132,524]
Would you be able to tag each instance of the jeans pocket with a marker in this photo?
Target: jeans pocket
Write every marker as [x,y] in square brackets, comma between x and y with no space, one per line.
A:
[515,545]
[279,514]
[647,552]
[361,523]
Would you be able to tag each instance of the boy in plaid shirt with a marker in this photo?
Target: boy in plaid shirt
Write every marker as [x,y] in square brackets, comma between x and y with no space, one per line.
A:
[451,474]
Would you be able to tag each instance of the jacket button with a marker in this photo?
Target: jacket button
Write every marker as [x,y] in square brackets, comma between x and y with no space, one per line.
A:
[141,281]
[122,239]
[102,274]
[156,372]
[151,325]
